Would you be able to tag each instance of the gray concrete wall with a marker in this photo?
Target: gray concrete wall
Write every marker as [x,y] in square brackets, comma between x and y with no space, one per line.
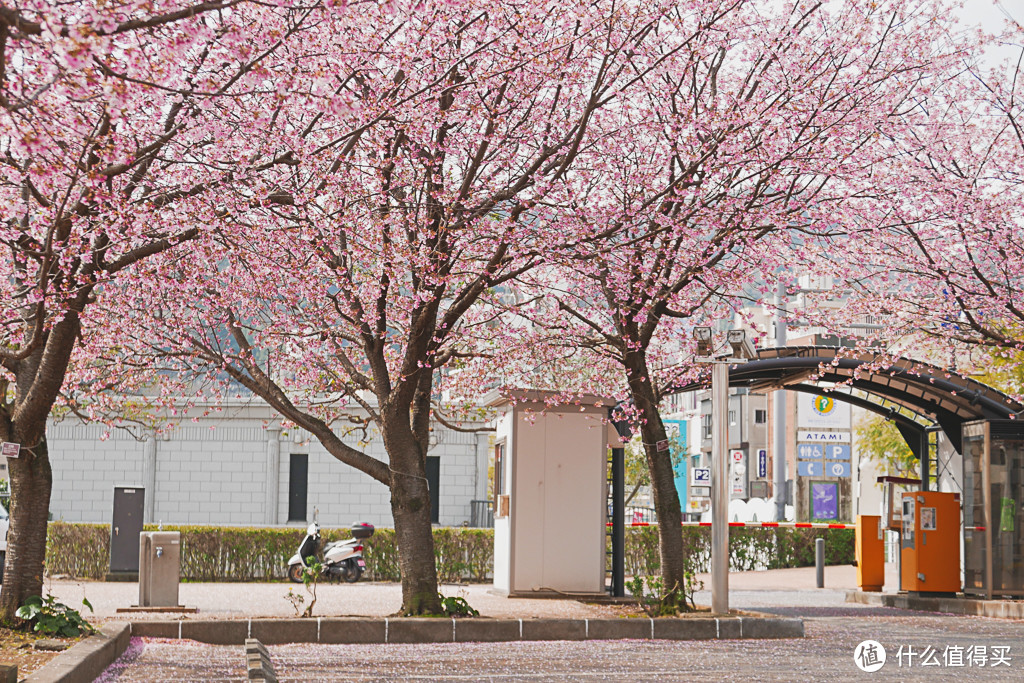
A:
[218,470]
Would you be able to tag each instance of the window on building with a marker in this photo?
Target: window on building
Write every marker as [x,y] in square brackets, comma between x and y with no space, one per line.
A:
[760,416]
[732,417]
[298,485]
[705,425]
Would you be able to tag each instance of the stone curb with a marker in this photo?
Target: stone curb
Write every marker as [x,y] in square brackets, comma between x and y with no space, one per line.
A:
[997,609]
[412,630]
[86,660]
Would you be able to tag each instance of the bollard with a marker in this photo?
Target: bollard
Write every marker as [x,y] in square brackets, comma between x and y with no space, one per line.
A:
[819,561]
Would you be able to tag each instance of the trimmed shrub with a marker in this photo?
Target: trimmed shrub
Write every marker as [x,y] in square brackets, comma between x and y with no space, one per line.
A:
[79,550]
[749,548]
[215,553]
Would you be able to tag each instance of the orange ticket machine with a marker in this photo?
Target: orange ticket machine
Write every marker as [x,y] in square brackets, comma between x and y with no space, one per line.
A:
[870,552]
[930,543]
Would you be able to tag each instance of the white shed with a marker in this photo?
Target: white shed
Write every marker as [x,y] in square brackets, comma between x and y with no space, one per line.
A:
[550,464]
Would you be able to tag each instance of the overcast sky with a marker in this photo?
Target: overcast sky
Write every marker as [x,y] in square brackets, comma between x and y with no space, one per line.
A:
[992,14]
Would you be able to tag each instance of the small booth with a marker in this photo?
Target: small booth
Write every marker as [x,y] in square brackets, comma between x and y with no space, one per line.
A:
[993,487]
[550,488]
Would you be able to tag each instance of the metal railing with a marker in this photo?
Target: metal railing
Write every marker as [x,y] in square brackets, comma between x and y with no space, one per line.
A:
[636,514]
[481,514]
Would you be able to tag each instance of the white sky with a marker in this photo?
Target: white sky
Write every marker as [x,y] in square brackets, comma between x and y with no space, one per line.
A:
[992,16]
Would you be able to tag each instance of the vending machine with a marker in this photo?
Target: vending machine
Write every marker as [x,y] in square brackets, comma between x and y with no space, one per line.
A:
[930,542]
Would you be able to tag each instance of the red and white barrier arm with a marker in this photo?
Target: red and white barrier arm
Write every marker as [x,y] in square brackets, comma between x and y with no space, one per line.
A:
[783,525]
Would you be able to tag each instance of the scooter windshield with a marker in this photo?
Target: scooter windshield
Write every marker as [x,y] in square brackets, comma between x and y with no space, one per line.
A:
[307,549]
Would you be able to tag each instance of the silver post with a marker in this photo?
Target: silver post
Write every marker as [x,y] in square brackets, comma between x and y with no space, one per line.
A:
[779,413]
[819,561]
[719,488]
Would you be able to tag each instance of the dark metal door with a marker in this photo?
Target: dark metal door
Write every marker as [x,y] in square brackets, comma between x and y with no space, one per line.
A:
[129,502]
[298,473]
[434,484]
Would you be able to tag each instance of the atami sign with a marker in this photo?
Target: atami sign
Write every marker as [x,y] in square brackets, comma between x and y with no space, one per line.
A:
[10,450]
[835,437]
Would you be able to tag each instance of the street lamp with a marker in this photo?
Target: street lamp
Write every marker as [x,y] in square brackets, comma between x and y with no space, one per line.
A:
[741,350]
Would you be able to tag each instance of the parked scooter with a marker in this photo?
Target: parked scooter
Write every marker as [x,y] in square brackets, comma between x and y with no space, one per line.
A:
[342,559]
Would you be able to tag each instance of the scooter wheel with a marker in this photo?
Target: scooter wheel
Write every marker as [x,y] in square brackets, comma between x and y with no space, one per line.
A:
[295,573]
[354,572]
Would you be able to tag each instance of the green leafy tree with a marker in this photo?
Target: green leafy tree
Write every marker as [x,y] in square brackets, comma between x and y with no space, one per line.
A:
[1004,371]
[880,441]
[638,474]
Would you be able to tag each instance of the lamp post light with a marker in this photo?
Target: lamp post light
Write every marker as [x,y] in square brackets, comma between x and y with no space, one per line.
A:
[741,350]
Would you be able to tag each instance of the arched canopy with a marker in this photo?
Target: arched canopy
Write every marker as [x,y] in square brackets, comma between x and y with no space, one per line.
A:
[916,396]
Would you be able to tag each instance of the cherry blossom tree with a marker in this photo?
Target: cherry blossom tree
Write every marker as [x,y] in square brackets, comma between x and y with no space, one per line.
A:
[952,262]
[106,144]
[437,146]
[765,137]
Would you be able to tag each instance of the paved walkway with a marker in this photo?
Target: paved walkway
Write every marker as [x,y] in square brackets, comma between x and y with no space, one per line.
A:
[245,600]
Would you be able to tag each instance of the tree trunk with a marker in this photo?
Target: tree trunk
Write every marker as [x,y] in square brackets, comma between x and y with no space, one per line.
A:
[31,481]
[410,506]
[663,484]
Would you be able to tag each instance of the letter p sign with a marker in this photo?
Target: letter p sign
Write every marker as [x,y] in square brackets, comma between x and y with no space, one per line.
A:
[838,451]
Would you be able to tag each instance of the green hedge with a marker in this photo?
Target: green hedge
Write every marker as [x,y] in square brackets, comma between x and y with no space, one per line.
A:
[749,549]
[214,553]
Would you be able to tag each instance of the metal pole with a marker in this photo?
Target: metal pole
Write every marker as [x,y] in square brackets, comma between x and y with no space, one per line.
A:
[926,465]
[819,561]
[618,522]
[719,490]
[779,413]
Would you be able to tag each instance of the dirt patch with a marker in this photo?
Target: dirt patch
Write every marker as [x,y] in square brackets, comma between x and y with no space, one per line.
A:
[628,609]
[16,647]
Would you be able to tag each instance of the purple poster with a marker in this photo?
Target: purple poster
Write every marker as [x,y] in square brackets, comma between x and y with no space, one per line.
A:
[824,500]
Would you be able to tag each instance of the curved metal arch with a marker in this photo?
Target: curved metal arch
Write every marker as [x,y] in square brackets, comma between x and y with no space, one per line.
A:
[973,399]
[927,391]
[913,432]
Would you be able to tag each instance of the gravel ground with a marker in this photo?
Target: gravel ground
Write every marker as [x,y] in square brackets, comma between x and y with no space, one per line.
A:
[826,654]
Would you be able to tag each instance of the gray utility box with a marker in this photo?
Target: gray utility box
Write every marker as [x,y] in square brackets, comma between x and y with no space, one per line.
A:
[159,568]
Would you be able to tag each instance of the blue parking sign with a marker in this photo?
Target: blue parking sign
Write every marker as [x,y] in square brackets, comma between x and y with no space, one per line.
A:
[837,451]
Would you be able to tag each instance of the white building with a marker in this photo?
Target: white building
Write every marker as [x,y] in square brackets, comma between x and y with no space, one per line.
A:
[239,466]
